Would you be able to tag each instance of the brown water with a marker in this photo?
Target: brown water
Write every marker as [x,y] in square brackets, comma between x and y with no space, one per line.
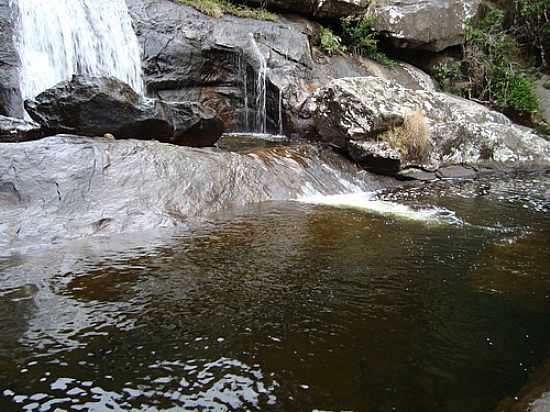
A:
[290,307]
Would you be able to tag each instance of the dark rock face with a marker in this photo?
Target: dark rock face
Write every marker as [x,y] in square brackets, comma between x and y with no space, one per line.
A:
[18,130]
[93,106]
[71,186]
[194,125]
[10,95]
[375,156]
[188,56]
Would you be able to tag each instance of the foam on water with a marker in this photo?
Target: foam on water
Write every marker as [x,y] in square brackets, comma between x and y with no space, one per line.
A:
[367,201]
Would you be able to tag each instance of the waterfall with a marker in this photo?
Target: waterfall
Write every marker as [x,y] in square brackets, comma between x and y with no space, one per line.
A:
[59,38]
[261,93]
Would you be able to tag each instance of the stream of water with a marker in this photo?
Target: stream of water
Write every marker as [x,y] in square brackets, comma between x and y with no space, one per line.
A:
[64,37]
[431,299]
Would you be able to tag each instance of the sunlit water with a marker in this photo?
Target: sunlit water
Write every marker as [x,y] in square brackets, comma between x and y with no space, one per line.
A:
[291,306]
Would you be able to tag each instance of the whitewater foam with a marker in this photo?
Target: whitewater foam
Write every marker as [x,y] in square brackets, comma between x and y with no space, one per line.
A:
[367,201]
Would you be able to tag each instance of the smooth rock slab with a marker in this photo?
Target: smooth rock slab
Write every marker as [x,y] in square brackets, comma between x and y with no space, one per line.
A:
[456,172]
[72,186]
[414,173]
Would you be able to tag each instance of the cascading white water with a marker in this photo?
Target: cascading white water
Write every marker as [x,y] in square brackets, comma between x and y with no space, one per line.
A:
[59,38]
[261,92]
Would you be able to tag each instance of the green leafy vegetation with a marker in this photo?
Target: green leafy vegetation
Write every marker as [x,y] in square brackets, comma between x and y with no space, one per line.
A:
[217,8]
[330,43]
[531,27]
[490,71]
[357,36]
[361,37]
[546,84]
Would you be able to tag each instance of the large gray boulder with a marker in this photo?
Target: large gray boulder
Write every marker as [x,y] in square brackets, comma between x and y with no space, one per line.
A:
[462,132]
[94,106]
[188,56]
[11,103]
[71,186]
[426,24]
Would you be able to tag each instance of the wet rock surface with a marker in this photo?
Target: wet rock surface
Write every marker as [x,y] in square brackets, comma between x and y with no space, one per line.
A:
[462,132]
[94,106]
[190,56]
[10,96]
[18,130]
[73,186]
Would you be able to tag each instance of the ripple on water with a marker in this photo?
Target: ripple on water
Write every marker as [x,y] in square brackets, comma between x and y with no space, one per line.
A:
[287,306]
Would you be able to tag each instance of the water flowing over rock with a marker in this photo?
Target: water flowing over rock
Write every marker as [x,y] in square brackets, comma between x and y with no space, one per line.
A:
[190,56]
[70,186]
[94,106]
[431,25]
[462,132]
[60,38]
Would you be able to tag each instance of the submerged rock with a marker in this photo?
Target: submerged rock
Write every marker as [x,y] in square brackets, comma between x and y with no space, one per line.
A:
[94,106]
[431,25]
[18,130]
[462,132]
[71,186]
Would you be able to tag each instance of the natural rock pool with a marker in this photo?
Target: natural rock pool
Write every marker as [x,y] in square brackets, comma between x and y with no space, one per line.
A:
[439,301]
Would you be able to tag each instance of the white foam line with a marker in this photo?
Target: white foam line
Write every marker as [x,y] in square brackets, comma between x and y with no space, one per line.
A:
[366,201]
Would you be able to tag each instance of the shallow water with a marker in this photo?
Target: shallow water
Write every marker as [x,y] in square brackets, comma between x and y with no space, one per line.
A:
[290,307]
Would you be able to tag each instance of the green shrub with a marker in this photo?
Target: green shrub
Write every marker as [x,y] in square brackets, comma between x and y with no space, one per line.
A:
[532,27]
[217,8]
[515,91]
[448,75]
[489,71]
[361,37]
[546,84]
[330,43]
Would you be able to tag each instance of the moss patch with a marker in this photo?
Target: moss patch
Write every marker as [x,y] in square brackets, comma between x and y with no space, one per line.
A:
[217,8]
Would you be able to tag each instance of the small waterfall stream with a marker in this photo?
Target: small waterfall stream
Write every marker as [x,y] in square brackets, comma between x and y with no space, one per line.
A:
[261,94]
[64,37]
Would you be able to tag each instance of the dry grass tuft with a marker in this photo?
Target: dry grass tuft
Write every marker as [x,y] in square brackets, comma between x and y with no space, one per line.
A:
[412,138]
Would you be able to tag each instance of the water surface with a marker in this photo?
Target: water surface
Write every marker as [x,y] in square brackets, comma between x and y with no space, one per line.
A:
[290,306]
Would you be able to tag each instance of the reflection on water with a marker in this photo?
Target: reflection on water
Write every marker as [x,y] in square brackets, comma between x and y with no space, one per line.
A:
[289,307]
